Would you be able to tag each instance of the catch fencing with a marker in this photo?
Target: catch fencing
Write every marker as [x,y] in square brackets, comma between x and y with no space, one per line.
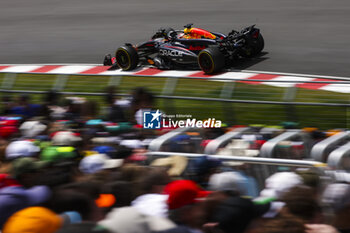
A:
[258,167]
[286,150]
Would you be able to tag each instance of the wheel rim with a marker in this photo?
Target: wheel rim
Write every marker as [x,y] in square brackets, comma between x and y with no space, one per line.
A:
[123,59]
[205,62]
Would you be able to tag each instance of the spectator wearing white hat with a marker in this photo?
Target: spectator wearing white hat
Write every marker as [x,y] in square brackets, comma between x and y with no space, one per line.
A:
[97,162]
[31,129]
[21,148]
[275,187]
[65,138]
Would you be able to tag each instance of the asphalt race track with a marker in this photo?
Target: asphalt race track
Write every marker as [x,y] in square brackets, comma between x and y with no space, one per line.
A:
[311,37]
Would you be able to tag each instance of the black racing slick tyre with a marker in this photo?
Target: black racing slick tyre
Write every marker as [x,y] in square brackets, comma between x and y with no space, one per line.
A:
[260,44]
[127,57]
[255,48]
[211,60]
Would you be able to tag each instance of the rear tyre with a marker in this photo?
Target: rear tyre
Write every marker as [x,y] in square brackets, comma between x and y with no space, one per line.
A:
[260,44]
[127,57]
[211,60]
[255,48]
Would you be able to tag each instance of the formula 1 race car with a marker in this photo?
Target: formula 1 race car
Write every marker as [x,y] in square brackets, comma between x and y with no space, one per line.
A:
[191,48]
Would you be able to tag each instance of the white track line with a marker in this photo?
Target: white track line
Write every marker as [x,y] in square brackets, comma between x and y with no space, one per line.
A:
[343,88]
[20,68]
[286,78]
[69,69]
[176,73]
[235,75]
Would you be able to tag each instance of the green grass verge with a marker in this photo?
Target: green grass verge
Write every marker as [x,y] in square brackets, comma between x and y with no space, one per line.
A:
[232,113]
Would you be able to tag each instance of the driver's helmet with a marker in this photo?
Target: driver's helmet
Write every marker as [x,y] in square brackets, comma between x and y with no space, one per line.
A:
[197,33]
[170,34]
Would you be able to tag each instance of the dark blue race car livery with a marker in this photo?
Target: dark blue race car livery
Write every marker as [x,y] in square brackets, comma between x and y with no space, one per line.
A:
[191,48]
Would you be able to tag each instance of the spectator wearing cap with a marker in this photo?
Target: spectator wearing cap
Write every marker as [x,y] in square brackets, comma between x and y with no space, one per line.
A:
[230,211]
[65,138]
[31,129]
[34,220]
[9,127]
[98,163]
[276,186]
[229,182]
[21,148]
[279,183]
[63,147]
[186,205]
[109,150]
[175,165]
[130,220]
[15,150]
[6,180]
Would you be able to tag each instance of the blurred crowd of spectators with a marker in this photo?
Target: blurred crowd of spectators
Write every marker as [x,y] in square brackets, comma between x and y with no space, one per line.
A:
[67,167]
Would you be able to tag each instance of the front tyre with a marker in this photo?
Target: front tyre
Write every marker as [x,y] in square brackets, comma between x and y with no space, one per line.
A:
[127,57]
[211,60]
